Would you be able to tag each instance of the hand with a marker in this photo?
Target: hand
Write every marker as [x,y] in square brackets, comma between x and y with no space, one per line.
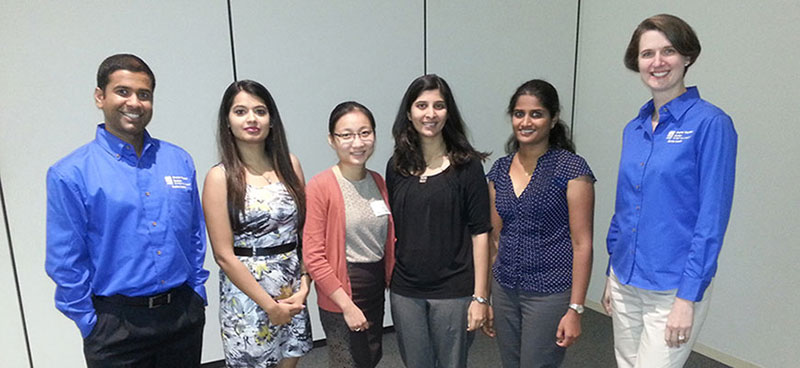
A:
[476,315]
[281,313]
[679,323]
[297,298]
[355,318]
[568,329]
[606,301]
[488,326]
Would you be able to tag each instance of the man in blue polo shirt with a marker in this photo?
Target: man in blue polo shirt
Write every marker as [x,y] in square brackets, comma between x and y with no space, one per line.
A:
[126,235]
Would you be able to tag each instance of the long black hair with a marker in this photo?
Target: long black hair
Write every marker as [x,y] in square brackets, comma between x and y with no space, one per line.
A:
[548,97]
[408,157]
[276,149]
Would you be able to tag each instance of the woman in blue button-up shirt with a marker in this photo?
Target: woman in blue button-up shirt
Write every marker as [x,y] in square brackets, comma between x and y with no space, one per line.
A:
[542,197]
[674,194]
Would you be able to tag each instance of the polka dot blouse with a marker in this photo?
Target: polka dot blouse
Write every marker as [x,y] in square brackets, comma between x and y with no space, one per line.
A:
[535,252]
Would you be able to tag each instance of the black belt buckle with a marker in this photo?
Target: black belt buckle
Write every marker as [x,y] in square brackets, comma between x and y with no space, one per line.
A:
[159,300]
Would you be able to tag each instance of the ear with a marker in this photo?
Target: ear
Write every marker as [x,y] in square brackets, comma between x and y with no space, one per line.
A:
[687,61]
[408,116]
[554,121]
[330,142]
[99,97]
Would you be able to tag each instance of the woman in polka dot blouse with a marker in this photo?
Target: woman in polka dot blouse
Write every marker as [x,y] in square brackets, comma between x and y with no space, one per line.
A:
[542,197]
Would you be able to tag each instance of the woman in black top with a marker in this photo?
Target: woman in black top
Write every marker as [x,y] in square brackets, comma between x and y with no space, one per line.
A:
[440,203]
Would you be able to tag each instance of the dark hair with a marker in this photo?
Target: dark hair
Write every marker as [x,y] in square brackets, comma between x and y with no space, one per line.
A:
[408,158]
[345,108]
[276,150]
[548,97]
[679,33]
[129,62]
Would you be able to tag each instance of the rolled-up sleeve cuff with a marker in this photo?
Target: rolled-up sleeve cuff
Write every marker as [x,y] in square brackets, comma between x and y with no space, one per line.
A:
[693,289]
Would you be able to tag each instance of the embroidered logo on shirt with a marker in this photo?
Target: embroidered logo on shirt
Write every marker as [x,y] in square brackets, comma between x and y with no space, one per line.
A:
[178,182]
[678,136]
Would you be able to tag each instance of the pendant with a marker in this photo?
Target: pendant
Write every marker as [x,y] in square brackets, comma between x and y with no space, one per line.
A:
[423,179]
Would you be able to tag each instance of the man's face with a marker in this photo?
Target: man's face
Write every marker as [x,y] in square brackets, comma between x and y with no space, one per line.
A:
[127,104]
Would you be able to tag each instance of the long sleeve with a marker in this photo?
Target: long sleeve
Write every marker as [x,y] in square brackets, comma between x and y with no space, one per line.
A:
[68,260]
[198,242]
[315,242]
[716,170]
[611,238]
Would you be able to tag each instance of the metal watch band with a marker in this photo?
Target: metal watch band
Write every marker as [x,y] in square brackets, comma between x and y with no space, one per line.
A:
[481,300]
[577,308]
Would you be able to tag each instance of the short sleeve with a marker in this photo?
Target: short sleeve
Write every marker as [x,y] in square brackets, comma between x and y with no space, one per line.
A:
[576,167]
[495,170]
[476,195]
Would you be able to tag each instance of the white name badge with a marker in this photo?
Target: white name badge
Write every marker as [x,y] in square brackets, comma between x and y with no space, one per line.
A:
[379,208]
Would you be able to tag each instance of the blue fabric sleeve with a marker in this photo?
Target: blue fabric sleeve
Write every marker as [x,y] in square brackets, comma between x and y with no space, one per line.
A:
[493,172]
[198,240]
[579,167]
[67,259]
[717,167]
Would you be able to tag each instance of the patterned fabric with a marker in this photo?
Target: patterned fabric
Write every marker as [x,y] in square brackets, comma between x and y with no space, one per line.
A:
[248,338]
[535,252]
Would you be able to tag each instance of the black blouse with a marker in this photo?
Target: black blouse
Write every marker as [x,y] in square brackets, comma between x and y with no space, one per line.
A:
[434,224]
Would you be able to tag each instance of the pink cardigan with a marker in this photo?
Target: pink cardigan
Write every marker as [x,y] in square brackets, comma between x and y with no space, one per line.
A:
[324,237]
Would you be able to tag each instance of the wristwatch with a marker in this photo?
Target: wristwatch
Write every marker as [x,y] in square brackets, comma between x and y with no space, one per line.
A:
[578,308]
[481,300]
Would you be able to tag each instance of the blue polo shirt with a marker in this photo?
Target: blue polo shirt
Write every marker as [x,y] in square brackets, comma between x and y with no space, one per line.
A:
[674,195]
[122,224]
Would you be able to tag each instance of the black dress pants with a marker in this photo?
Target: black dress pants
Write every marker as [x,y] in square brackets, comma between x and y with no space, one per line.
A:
[169,335]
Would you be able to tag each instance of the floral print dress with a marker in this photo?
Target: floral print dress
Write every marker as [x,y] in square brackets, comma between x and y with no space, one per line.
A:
[248,337]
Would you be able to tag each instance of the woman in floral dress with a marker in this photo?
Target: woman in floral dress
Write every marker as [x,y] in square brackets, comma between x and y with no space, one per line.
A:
[254,207]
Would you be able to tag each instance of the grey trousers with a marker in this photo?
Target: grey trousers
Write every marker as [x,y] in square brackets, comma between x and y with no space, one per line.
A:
[432,333]
[526,325]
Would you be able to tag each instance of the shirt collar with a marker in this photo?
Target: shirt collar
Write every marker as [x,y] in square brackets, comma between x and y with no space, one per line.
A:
[675,108]
[119,148]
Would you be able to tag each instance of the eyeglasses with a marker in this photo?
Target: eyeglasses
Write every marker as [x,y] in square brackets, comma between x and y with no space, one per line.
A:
[365,135]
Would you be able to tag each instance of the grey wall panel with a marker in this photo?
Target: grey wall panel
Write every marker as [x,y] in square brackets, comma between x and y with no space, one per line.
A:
[51,53]
[12,340]
[746,68]
[485,50]
[312,55]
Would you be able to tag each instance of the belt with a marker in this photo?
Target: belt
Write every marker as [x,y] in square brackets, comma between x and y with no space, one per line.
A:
[258,252]
[140,301]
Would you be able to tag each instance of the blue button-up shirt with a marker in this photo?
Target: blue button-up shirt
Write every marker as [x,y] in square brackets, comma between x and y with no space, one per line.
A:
[122,224]
[674,194]
[535,250]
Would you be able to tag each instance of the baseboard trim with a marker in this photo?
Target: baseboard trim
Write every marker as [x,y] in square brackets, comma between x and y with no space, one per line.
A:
[722,357]
[698,347]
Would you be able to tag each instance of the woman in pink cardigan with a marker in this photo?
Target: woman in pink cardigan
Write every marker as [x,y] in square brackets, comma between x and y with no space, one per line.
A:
[348,241]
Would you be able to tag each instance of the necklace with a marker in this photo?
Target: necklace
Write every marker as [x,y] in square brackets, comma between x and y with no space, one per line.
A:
[435,169]
[265,175]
